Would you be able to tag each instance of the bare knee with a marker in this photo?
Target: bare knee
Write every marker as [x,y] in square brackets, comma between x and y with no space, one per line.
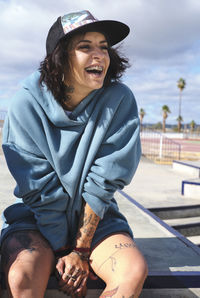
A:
[138,272]
[135,273]
[132,278]
[18,280]
[129,283]
[118,261]
[27,261]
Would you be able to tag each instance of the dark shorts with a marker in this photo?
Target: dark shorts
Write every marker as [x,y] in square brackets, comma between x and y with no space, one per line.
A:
[112,223]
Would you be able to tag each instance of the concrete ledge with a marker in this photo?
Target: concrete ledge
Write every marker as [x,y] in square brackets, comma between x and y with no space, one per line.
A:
[189,168]
[146,293]
[175,222]
[178,211]
[195,239]
[187,226]
[174,261]
[191,188]
[170,293]
[156,227]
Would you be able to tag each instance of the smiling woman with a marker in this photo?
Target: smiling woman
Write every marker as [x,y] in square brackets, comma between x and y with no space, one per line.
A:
[76,144]
[88,64]
[78,44]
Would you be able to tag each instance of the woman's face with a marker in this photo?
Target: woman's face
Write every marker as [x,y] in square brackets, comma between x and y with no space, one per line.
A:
[89,61]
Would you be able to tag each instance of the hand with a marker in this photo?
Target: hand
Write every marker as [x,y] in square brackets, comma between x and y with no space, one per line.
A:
[73,273]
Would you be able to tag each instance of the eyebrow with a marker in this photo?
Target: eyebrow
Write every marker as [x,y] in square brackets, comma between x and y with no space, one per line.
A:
[89,41]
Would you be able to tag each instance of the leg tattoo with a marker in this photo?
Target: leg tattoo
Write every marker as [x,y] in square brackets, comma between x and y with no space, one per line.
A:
[118,247]
[113,263]
[21,240]
[124,245]
[110,293]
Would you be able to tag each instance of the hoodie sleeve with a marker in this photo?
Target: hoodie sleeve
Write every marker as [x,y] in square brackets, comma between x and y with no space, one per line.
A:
[37,182]
[117,158]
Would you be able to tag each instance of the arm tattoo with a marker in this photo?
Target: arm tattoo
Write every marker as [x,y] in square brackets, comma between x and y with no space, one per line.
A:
[91,219]
[87,226]
[89,231]
[86,219]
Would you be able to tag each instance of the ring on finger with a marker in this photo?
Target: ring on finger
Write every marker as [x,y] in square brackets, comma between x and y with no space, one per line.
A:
[76,272]
[68,275]
[75,275]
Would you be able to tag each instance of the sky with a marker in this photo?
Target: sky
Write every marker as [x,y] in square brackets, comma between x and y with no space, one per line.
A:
[163,46]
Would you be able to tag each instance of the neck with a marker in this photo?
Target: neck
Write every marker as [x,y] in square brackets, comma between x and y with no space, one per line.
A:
[73,99]
[75,96]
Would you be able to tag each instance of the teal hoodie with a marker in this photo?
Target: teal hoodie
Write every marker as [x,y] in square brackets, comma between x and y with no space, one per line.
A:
[59,160]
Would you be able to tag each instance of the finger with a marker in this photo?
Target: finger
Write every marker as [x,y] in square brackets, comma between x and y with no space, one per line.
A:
[72,284]
[76,282]
[66,274]
[69,269]
[82,287]
[65,287]
[69,282]
[60,267]
[77,272]
[64,280]
[71,276]
[58,275]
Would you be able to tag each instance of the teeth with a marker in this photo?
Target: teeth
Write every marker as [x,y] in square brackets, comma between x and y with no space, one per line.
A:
[97,68]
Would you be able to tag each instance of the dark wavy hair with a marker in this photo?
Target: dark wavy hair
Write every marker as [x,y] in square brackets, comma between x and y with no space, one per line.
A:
[52,69]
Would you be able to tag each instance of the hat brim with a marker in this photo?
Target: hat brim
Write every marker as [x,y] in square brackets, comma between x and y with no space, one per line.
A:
[115,31]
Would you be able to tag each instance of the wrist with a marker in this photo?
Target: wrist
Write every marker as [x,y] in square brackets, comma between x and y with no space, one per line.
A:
[82,243]
[82,252]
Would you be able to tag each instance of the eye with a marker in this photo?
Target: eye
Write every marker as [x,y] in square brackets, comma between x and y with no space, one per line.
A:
[104,48]
[84,46]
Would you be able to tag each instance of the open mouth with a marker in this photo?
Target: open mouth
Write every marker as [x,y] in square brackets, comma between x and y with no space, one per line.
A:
[97,70]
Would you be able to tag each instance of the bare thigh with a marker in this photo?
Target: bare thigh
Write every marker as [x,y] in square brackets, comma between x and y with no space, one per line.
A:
[117,260]
[27,260]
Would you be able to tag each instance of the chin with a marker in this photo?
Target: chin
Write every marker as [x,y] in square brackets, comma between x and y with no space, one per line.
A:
[98,85]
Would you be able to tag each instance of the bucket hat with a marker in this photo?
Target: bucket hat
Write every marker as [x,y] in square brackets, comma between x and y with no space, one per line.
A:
[66,25]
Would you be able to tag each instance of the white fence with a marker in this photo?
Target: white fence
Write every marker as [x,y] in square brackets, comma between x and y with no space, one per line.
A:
[158,147]
[3,115]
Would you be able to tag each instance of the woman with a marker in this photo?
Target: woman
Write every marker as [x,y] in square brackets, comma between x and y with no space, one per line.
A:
[71,140]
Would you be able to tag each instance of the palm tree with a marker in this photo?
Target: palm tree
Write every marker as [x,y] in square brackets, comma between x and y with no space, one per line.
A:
[165,111]
[192,125]
[181,85]
[179,119]
[142,114]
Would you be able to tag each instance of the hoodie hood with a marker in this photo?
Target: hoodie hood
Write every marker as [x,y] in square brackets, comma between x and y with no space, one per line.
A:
[54,111]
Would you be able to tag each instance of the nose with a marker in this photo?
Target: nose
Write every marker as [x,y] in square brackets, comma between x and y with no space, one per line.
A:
[97,53]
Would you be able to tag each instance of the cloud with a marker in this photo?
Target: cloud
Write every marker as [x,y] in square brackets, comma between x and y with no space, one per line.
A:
[163,46]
